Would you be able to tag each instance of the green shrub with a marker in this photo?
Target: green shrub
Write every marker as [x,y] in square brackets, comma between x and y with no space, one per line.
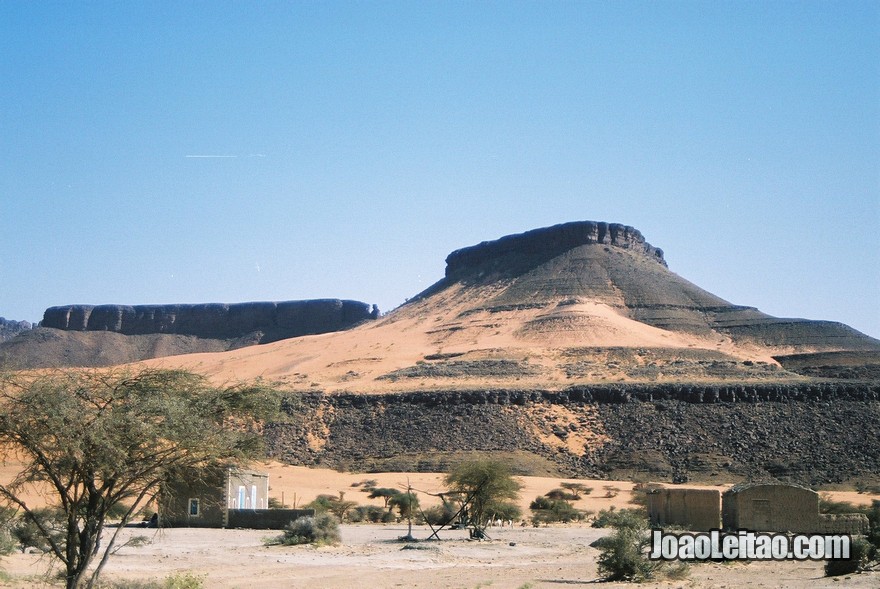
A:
[547,510]
[504,510]
[440,515]
[28,535]
[562,494]
[8,542]
[129,584]
[863,487]
[183,581]
[320,529]
[367,513]
[175,581]
[622,555]
[640,493]
[611,518]
[334,504]
[407,504]
[321,503]
[367,485]
[860,553]
[874,523]
[829,505]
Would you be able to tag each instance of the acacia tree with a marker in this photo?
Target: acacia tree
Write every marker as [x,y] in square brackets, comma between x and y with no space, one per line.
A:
[386,494]
[485,485]
[89,440]
[406,503]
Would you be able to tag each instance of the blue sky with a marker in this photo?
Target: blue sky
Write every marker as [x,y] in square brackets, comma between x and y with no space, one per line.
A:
[370,139]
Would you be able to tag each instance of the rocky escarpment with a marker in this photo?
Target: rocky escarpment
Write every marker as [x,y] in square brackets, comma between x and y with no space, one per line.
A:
[515,253]
[809,433]
[215,320]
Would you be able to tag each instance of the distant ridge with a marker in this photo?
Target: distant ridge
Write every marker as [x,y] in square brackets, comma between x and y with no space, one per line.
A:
[106,335]
[214,320]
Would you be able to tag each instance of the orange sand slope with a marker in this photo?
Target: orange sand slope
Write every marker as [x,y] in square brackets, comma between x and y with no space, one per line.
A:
[447,325]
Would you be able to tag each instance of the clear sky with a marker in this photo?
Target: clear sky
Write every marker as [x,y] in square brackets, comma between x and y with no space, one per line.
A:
[364,141]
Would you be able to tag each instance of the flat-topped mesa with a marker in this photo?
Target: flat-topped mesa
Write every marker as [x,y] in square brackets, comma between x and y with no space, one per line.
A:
[215,320]
[546,243]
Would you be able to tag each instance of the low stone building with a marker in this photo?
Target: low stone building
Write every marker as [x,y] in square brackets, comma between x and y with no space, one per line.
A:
[771,507]
[697,510]
[223,498]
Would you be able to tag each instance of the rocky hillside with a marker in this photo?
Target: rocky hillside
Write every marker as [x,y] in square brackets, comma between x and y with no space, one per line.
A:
[810,434]
[10,328]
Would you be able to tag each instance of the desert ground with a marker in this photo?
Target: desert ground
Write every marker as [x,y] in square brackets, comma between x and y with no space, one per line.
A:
[371,555]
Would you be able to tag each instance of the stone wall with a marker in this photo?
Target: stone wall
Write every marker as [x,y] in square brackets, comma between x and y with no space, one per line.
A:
[843,523]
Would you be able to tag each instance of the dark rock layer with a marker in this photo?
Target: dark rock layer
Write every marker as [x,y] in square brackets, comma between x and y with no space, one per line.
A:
[214,320]
[813,433]
[515,252]
[612,264]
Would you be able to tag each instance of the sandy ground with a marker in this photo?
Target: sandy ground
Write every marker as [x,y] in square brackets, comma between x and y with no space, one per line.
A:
[307,483]
[370,557]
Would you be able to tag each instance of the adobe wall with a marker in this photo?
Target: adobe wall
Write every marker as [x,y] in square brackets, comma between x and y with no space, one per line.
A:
[693,509]
[174,502]
[771,508]
[784,508]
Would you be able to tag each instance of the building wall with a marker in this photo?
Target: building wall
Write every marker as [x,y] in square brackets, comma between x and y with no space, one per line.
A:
[247,490]
[783,508]
[208,489]
[693,509]
[843,523]
[265,519]
[219,492]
